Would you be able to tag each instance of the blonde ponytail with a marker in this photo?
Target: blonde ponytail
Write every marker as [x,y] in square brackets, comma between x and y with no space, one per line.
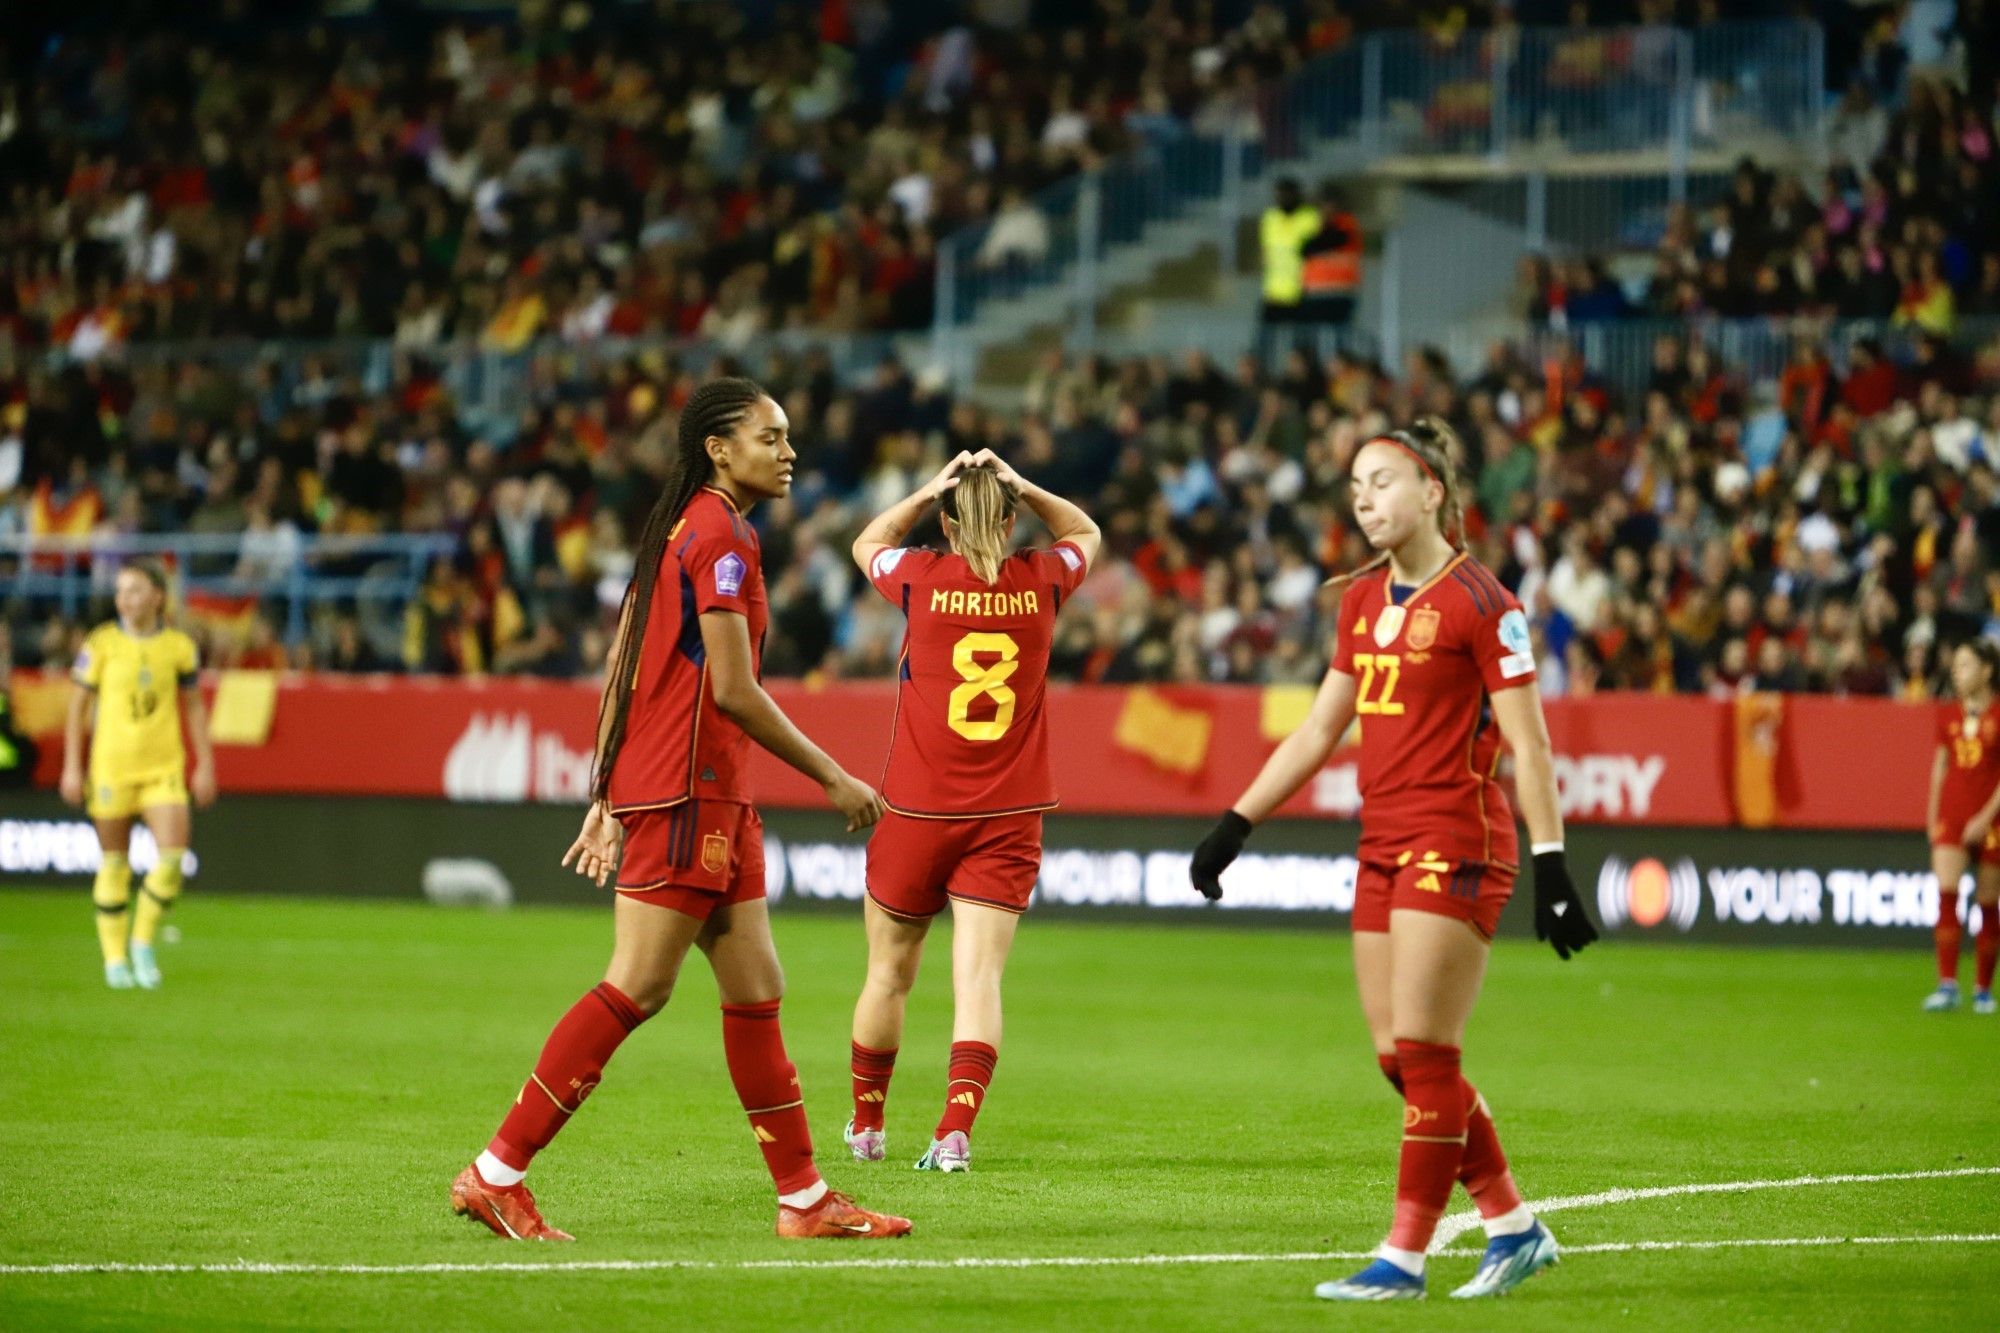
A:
[979,508]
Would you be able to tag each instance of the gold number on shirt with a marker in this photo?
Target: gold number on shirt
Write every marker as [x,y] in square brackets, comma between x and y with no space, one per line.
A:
[1390,667]
[1967,751]
[989,680]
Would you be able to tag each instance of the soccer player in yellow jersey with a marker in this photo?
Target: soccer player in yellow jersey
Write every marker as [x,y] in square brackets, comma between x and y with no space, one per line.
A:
[138,671]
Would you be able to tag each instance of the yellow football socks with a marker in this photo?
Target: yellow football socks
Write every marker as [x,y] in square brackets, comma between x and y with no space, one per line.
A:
[163,885]
[112,892]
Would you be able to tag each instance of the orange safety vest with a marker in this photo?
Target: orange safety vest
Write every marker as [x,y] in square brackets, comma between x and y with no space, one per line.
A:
[1335,272]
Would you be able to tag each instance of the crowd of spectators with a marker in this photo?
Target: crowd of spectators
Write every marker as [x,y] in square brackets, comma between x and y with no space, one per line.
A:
[685,167]
[1694,533]
[1903,227]
[576,175]
[680,168]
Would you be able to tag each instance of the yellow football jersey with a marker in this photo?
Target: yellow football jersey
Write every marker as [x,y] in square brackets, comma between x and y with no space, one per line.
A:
[137,679]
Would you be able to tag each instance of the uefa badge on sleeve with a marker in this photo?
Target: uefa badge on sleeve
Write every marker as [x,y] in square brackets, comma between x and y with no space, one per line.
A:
[729,573]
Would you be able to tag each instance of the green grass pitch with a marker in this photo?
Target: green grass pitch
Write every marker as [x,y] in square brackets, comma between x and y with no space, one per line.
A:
[314,1074]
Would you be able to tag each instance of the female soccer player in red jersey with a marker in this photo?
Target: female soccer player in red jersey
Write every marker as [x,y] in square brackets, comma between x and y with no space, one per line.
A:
[968,773]
[1431,653]
[672,816]
[1965,798]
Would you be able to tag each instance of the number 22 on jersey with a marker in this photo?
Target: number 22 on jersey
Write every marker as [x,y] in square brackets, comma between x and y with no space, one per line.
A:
[989,679]
[1385,668]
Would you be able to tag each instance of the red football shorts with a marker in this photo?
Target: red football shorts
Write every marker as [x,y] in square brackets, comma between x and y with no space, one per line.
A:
[693,856]
[914,865]
[1473,891]
[1950,832]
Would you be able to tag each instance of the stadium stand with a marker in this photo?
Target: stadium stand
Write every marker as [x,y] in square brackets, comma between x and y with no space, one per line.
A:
[1712,528]
[587,172]
[1711,533]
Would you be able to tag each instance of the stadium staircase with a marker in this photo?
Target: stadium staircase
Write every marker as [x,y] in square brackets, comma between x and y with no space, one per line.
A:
[1447,215]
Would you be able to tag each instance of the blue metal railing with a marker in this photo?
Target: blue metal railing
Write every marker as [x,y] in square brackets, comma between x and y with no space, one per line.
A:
[279,567]
[1757,350]
[488,389]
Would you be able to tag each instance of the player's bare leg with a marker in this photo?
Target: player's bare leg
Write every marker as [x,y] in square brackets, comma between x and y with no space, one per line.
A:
[1986,949]
[1372,970]
[171,827]
[1949,865]
[111,896]
[649,944]
[895,948]
[981,939]
[751,984]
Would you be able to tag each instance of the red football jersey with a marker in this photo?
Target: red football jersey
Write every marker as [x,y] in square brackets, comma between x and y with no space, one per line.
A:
[1423,668]
[1972,744]
[677,743]
[971,736]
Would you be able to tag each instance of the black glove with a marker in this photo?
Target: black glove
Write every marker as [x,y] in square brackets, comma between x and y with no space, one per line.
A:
[1560,916]
[1223,844]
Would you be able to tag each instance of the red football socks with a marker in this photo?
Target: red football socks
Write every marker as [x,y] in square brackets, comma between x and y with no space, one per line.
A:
[767,1084]
[1483,1170]
[971,1070]
[872,1070]
[1987,948]
[571,1063]
[1434,1108]
[1949,932]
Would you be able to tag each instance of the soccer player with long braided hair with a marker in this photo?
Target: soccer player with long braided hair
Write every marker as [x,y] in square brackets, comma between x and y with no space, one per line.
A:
[671,816]
[134,676]
[1432,654]
[968,772]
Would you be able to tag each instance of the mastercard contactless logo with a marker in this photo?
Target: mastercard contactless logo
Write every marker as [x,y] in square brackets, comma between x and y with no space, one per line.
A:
[1646,892]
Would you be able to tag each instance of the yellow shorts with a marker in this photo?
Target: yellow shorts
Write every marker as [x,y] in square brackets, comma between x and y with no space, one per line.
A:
[123,800]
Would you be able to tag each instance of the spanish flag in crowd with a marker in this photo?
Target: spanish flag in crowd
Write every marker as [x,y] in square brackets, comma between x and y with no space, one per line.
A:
[226,619]
[72,515]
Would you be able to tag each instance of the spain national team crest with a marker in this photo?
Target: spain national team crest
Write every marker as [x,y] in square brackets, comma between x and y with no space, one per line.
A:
[714,853]
[1423,629]
[1389,626]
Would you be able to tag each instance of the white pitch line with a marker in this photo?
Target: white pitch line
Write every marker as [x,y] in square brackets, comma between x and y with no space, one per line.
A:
[1451,1228]
[681,1265]
[1778,1242]
[246,1267]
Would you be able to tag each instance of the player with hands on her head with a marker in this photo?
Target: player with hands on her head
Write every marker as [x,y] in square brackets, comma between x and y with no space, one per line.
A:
[1432,654]
[968,773]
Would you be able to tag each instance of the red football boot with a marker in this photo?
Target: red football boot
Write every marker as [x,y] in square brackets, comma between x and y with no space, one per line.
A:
[507,1210]
[837,1217]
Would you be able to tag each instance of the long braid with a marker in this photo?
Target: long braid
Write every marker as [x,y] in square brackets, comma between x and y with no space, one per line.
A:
[713,409]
